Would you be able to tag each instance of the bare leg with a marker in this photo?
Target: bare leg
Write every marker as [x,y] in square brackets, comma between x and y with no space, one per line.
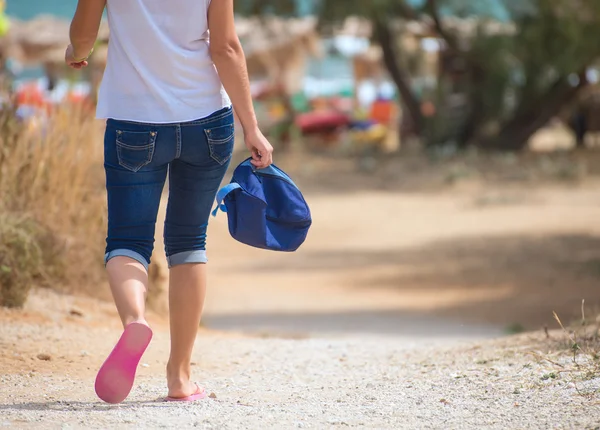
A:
[187,289]
[128,282]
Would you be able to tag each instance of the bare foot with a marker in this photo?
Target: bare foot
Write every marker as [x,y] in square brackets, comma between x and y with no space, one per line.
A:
[181,389]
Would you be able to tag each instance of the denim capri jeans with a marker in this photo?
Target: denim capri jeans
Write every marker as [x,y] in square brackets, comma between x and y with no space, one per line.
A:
[138,157]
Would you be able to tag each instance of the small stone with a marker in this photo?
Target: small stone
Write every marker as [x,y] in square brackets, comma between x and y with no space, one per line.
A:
[76,312]
[212,395]
[145,365]
[44,357]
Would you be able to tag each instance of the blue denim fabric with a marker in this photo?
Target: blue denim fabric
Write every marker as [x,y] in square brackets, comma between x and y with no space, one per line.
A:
[138,158]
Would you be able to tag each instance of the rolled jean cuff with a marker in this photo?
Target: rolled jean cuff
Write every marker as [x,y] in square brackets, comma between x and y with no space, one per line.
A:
[187,257]
[126,253]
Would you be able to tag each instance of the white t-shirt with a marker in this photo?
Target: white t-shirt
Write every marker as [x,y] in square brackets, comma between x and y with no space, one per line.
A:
[159,69]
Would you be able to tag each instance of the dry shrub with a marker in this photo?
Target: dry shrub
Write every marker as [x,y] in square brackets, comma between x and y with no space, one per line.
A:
[51,175]
[575,356]
[28,255]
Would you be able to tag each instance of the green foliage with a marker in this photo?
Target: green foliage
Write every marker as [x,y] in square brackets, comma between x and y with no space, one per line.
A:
[514,81]
[262,7]
[555,40]
[336,10]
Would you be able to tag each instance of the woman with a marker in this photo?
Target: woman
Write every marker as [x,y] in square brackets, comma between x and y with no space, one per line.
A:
[165,98]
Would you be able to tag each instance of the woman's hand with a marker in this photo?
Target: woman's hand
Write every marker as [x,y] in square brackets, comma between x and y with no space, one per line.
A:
[75,63]
[260,148]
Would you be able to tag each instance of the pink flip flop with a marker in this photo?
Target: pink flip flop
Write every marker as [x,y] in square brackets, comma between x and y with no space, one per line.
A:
[198,395]
[117,374]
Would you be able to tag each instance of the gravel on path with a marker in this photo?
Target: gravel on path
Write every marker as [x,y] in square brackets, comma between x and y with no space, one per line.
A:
[273,383]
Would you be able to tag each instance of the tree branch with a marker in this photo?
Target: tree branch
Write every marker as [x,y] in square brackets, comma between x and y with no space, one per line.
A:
[384,36]
[406,11]
[431,6]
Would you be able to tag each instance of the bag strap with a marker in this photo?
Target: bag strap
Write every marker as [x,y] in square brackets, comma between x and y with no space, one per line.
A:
[224,192]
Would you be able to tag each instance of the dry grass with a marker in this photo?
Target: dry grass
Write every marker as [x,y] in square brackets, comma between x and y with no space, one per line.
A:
[51,175]
[575,356]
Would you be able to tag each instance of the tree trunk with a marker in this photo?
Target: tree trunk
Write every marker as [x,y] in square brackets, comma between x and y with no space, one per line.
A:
[578,125]
[386,40]
[516,133]
[477,110]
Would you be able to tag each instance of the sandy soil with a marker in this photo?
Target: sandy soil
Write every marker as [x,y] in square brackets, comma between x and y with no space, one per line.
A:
[391,316]
[471,260]
[49,355]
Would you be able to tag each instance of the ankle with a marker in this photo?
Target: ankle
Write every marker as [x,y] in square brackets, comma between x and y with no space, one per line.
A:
[178,373]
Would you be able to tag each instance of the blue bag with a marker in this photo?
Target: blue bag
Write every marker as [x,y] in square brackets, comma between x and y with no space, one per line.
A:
[265,209]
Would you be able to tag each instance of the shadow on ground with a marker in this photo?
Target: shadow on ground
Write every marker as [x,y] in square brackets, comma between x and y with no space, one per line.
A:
[537,275]
[387,323]
[70,406]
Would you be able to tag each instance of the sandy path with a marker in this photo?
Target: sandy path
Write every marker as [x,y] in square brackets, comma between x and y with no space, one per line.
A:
[277,383]
[379,321]
[417,265]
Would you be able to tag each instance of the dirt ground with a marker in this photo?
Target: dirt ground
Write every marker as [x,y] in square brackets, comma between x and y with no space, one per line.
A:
[487,252]
[426,253]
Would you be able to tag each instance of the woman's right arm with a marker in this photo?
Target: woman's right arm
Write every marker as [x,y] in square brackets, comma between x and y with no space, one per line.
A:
[230,61]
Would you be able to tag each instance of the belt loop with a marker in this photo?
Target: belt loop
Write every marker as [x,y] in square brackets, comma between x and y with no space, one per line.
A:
[178,133]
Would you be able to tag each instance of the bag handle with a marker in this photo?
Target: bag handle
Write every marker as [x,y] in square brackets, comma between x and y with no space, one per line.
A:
[224,192]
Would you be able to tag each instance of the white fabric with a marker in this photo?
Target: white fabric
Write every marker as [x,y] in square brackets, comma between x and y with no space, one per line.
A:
[159,68]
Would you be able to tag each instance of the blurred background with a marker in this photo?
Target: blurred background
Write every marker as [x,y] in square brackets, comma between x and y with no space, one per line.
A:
[448,150]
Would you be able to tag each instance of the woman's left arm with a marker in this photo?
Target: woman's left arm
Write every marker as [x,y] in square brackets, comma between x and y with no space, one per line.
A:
[84,30]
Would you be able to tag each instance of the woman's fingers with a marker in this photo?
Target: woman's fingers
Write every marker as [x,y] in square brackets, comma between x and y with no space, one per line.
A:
[260,149]
[262,162]
[78,66]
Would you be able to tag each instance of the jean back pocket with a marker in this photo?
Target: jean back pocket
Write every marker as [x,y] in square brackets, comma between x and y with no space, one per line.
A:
[135,149]
[220,142]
